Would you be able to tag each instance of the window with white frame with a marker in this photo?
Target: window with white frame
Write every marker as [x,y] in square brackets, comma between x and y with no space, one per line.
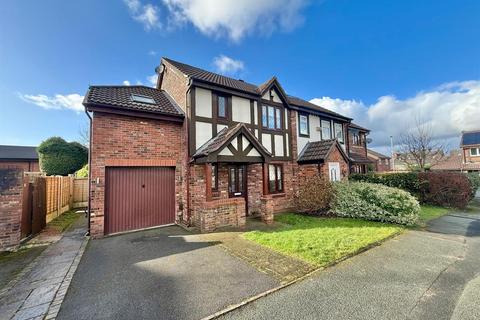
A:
[303,125]
[338,131]
[475,152]
[326,131]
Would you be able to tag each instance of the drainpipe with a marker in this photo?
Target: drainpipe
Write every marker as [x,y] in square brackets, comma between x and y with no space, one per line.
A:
[186,207]
[89,168]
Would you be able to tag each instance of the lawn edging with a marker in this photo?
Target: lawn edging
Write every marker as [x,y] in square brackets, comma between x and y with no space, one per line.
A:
[321,268]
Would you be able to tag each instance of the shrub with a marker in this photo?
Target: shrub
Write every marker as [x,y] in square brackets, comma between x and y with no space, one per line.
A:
[83,172]
[407,181]
[374,202]
[448,189]
[314,196]
[474,179]
[58,157]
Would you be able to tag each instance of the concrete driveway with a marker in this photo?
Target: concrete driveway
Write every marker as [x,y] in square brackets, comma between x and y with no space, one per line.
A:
[163,273]
[432,274]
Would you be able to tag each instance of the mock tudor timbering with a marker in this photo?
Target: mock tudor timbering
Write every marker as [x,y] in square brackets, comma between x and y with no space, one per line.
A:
[237,149]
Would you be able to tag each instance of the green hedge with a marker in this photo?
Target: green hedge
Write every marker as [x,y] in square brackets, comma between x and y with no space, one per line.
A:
[374,202]
[474,179]
[407,181]
[58,157]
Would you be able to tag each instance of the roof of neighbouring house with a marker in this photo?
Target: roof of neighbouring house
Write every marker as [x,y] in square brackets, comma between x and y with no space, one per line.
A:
[18,152]
[470,138]
[377,154]
[356,126]
[122,97]
[359,158]
[316,151]
[223,137]
[454,162]
[240,85]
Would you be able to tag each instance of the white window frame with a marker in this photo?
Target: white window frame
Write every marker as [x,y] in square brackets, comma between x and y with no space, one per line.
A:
[335,125]
[307,131]
[324,127]
[477,152]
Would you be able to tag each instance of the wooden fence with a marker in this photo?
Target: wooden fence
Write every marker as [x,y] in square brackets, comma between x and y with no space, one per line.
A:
[63,194]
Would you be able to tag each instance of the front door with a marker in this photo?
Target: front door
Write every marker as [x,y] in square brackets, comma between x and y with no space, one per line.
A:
[237,184]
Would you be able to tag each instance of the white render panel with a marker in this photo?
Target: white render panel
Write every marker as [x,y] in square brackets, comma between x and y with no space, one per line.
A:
[267,141]
[266,95]
[275,96]
[220,127]
[256,133]
[253,153]
[245,142]
[278,146]
[255,113]
[234,143]
[314,123]
[241,110]
[225,152]
[288,144]
[203,102]
[203,131]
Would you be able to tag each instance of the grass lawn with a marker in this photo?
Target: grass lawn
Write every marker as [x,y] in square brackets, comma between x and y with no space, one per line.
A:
[428,213]
[321,241]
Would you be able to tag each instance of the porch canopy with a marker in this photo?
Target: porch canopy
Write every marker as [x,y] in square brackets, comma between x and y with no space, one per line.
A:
[233,144]
[319,151]
[358,158]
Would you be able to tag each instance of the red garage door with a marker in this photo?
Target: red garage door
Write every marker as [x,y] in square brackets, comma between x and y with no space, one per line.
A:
[138,197]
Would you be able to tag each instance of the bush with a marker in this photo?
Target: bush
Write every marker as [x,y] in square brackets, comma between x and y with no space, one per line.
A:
[448,189]
[374,202]
[474,179]
[407,181]
[83,172]
[58,157]
[314,196]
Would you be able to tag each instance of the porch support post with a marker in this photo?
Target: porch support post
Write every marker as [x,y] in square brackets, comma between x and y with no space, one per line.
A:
[208,181]
[265,178]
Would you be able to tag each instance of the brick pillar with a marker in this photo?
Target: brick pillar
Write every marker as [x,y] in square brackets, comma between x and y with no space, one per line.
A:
[267,210]
[11,188]
[208,181]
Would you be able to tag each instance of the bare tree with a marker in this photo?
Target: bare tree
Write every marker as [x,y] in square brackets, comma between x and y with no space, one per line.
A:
[419,149]
[84,134]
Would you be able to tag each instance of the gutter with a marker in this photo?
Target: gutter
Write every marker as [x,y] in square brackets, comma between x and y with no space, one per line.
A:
[89,169]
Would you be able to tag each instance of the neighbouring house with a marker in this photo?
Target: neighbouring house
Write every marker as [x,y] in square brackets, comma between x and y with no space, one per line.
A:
[206,150]
[381,162]
[20,157]
[357,138]
[465,159]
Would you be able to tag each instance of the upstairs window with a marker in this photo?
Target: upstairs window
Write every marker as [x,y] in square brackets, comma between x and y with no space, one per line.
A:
[221,106]
[214,177]
[271,117]
[303,125]
[326,131]
[275,178]
[339,131]
[475,152]
[355,139]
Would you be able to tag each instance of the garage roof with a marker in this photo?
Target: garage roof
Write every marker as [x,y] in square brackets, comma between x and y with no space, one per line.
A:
[18,152]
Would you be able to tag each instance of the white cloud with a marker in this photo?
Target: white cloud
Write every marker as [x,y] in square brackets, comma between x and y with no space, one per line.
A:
[227,65]
[59,101]
[234,18]
[126,82]
[152,53]
[152,80]
[447,109]
[146,14]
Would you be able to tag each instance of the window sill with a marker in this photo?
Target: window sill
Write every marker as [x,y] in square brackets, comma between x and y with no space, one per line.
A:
[277,195]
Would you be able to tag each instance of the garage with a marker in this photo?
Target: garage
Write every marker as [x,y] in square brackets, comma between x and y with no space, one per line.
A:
[138,198]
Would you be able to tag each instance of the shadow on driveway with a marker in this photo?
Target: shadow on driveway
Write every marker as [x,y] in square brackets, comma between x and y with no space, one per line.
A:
[162,273]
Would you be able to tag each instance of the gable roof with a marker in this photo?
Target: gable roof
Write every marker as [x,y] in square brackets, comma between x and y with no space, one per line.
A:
[224,137]
[377,154]
[210,77]
[356,126]
[262,89]
[120,98]
[242,86]
[18,152]
[470,138]
[359,158]
[318,151]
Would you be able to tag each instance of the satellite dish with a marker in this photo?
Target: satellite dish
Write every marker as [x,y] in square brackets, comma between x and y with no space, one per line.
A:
[369,140]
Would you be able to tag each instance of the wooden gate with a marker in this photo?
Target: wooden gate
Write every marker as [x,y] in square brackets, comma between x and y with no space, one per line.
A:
[33,206]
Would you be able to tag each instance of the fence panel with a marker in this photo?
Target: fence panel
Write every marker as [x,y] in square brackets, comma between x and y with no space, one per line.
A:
[80,192]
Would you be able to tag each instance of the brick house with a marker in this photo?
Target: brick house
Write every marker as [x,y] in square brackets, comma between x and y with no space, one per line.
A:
[381,162]
[357,142]
[467,158]
[19,157]
[206,150]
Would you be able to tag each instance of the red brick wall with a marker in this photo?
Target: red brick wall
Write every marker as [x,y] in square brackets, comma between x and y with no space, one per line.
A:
[468,157]
[380,165]
[11,187]
[176,84]
[307,171]
[130,140]
[29,166]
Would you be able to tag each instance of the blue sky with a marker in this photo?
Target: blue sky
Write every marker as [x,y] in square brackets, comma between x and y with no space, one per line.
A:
[382,62]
